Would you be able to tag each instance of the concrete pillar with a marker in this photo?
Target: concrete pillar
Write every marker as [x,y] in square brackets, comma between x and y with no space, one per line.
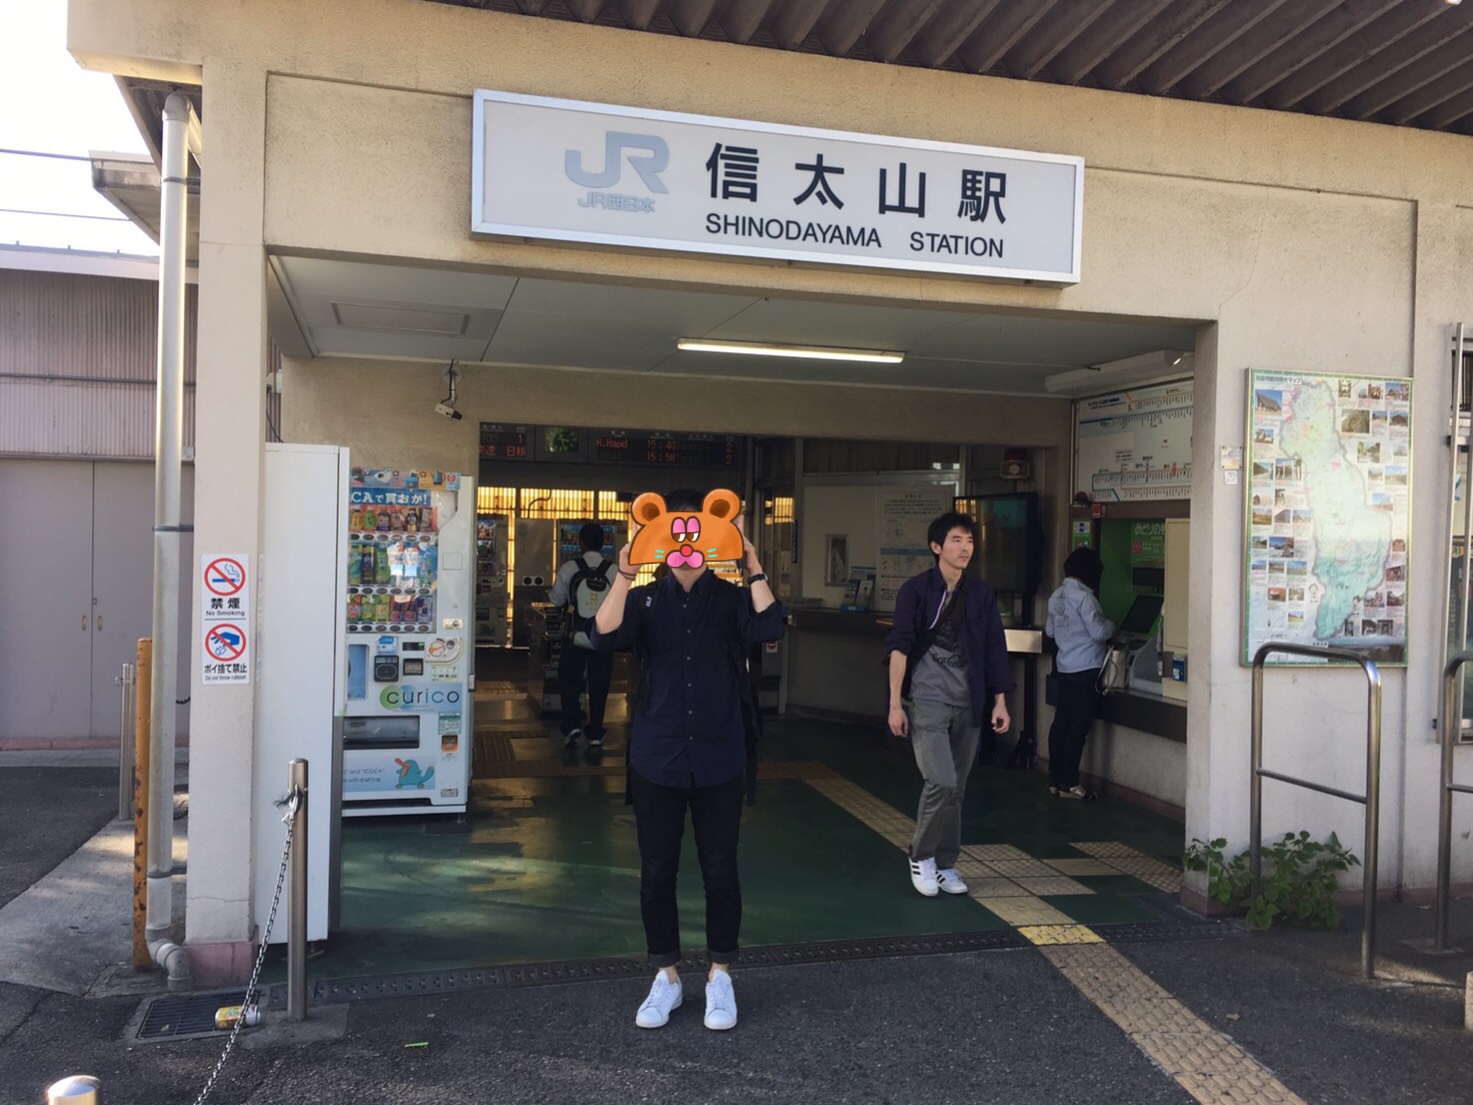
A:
[230,436]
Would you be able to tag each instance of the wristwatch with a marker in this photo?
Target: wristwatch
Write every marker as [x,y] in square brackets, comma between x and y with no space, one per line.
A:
[760,577]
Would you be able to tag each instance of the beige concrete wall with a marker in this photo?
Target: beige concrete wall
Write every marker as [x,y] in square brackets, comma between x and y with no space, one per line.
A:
[1311,244]
[378,408]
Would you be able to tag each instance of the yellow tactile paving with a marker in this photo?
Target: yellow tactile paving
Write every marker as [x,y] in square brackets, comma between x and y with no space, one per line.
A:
[1127,861]
[1105,849]
[1049,935]
[984,887]
[990,853]
[1078,867]
[1204,1062]
[1023,909]
[1052,884]
[1021,868]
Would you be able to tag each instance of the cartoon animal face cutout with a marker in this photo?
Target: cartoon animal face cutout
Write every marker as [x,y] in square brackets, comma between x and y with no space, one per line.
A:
[684,538]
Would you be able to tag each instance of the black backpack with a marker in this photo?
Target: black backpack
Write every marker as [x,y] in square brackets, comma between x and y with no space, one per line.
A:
[586,592]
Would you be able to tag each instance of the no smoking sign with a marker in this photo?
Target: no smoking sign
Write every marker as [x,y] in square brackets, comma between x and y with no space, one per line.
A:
[225,612]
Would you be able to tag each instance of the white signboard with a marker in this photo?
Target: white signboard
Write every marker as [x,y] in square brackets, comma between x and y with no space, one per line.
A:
[1135,444]
[584,172]
[905,516]
[225,622]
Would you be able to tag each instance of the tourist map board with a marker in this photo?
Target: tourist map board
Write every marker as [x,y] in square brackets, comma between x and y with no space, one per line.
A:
[1328,503]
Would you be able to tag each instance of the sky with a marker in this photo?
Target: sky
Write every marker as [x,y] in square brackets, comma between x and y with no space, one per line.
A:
[53,105]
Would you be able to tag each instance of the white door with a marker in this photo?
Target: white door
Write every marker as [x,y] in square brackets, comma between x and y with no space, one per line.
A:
[46,623]
[122,583]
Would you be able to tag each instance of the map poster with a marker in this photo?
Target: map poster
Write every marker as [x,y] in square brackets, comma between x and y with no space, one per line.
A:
[1328,513]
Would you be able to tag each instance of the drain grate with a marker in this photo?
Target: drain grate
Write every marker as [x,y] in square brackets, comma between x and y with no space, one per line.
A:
[422,983]
[192,1016]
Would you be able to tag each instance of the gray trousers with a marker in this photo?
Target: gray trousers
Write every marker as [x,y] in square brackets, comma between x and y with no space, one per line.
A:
[945,742]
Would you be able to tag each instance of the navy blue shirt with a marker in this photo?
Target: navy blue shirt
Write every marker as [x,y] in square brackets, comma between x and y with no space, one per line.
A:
[687,727]
[986,646]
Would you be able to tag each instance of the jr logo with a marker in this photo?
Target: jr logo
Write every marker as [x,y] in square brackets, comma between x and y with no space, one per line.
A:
[649,164]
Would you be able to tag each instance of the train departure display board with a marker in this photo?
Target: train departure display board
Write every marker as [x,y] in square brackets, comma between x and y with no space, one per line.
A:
[501,442]
[666,450]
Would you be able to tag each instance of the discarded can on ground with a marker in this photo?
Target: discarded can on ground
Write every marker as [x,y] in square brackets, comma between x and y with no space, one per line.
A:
[227,1015]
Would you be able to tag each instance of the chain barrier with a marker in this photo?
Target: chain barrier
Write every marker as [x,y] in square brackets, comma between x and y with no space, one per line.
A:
[292,802]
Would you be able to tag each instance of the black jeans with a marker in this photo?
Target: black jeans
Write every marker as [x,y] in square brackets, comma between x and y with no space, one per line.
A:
[659,818]
[1074,712]
[570,669]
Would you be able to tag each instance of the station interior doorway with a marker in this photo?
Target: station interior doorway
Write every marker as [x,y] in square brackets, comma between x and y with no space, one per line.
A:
[546,868]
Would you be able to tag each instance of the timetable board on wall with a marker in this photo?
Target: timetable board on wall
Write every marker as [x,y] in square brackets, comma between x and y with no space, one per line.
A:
[1135,444]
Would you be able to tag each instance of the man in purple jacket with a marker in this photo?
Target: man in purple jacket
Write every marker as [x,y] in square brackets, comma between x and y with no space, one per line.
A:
[948,661]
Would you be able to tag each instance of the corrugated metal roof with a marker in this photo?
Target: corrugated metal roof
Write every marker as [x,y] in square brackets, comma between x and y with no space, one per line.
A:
[1402,62]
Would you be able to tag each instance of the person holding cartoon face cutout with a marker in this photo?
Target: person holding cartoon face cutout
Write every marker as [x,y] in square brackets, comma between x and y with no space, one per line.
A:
[687,740]
[948,665]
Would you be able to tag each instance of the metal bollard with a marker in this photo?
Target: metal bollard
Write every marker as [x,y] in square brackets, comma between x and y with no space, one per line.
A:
[296,933]
[126,681]
[76,1089]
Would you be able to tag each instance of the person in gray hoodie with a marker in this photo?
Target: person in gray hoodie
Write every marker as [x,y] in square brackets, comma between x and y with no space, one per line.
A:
[1081,631]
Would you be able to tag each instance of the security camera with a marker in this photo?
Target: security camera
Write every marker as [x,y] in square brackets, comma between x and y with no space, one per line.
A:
[448,411]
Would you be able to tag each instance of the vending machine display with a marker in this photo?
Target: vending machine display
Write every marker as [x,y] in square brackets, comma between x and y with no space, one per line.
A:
[407,724]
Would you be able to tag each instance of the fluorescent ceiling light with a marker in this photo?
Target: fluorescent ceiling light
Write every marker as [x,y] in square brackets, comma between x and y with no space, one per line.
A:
[1164,364]
[803,352]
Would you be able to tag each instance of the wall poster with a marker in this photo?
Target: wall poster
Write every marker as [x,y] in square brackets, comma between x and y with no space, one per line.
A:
[1328,508]
[906,514]
[1136,444]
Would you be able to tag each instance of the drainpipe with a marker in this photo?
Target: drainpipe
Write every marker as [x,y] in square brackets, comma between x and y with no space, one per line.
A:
[181,137]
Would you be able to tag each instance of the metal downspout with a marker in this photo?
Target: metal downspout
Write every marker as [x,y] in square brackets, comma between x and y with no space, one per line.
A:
[181,133]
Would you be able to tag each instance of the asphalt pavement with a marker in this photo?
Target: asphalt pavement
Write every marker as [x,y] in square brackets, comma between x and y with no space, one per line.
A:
[1009,1026]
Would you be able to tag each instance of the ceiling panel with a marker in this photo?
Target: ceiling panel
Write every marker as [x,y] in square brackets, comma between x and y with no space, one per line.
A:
[444,314]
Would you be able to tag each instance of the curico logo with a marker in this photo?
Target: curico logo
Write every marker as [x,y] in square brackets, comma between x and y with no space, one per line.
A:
[649,165]
[418,698]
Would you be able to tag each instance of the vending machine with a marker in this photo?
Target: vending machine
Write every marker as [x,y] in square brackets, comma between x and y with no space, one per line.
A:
[492,580]
[407,719]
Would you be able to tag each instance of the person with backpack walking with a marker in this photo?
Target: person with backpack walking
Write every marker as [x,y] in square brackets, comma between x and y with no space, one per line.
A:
[1082,632]
[688,743]
[580,588]
[948,665]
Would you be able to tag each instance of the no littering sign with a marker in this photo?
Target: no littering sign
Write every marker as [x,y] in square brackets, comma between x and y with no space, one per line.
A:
[225,612]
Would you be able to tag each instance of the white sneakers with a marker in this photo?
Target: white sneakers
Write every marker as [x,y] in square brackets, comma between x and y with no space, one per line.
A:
[929,881]
[950,882]
[666,996]
[720,1002]
[923,876]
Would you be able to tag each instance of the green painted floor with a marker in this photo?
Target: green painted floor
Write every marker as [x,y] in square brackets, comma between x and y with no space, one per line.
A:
[550,869]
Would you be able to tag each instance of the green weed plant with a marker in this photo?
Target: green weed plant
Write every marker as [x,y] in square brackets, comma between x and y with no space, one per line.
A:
[1300,876]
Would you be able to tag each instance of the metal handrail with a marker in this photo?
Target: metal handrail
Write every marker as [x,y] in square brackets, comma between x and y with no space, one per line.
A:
[1448,726]
[1371,799]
